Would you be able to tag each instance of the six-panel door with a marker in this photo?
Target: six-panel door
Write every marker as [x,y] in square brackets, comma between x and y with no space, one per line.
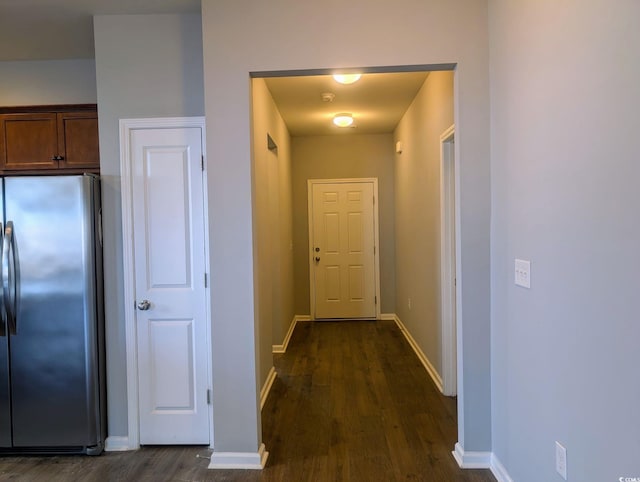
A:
[343,259]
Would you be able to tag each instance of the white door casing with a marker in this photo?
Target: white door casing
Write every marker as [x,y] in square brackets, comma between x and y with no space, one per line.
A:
[168,349]
[448,261]
[343,254]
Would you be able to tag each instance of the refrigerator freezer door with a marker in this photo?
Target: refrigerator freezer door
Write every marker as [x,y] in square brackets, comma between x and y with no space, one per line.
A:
[53,355]
[5,401]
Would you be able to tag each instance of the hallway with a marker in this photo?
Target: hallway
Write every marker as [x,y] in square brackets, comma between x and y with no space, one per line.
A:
[353,403]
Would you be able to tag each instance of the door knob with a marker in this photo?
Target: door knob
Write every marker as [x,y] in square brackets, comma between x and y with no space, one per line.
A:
[317,259]
[144,305]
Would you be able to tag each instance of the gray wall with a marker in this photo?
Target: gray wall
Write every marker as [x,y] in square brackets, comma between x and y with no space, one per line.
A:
[564,177]
[343,156]
[146,66]
[254,36]
[417,188]
[45,82]
[272,226]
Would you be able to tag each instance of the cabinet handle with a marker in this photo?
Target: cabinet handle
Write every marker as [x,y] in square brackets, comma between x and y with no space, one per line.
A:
[57,158]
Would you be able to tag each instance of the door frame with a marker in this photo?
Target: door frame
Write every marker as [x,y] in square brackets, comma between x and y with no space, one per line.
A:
[376,237]
[448,257]
[132,441]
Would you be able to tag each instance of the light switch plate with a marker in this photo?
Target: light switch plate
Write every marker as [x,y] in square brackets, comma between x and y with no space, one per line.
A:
[561,460]
[523,273]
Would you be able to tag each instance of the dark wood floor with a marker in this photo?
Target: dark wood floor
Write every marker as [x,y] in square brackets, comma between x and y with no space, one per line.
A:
[351,403]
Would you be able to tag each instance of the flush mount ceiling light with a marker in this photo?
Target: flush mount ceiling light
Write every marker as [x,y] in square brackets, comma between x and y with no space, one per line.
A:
[346,78]
[343,120]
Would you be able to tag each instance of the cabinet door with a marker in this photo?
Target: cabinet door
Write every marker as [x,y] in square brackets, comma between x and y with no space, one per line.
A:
[28,141]
[78,140]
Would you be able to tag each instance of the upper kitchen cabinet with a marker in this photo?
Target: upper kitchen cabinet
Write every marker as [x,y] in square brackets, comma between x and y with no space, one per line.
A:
[49,138]
[78,140]
[28,141]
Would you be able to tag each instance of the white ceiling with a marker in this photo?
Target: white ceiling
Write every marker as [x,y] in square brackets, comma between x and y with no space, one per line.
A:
[63,29]
[376,101]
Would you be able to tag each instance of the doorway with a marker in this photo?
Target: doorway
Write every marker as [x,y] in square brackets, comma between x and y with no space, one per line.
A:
[165,260]
[414,179]
[343,262]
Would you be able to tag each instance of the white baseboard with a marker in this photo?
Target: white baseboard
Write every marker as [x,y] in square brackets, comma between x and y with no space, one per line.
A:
[283,348]
[117,444]
[498,470]
[266,388]
[239,460]
[388,316]
[481,460]
[431,370]
[471,460]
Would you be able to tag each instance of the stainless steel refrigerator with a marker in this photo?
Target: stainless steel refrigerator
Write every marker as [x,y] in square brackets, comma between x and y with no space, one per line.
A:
[52,378]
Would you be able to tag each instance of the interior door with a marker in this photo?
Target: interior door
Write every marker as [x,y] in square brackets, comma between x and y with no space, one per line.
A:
[168,217]
[342,249]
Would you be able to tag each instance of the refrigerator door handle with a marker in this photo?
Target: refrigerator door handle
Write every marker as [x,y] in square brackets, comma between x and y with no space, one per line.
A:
[9,278]
[3,313]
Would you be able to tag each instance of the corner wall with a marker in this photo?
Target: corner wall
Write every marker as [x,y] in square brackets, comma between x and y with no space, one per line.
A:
[257,36]
[417,191]
[343,156]
[146,66]
[564,177]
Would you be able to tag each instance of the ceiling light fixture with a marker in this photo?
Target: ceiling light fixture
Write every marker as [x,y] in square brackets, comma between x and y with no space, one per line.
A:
[346,78]
[343,120]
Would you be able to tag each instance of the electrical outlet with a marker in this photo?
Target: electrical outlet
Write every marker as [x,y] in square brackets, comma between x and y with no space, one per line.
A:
[409,303]
[561,460]
[523,273]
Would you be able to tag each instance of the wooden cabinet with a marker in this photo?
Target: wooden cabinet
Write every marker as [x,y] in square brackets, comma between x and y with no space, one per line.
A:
[78,139]
[49,141]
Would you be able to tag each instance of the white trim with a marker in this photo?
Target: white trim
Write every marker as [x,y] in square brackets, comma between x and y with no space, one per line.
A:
[481,460]
[117,444]
[448,262]
[423,358]
[303,318]
[207,291]
[498,470]
[376,234]
[239,460]
[388,316]
[126,181]
[126,126]
[283,348]
[266,388]
[472,460]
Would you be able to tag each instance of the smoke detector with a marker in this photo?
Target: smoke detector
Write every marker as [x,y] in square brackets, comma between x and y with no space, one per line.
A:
[327,96]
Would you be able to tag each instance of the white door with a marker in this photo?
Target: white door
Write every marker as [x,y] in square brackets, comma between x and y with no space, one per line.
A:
[342,235]
[169,252]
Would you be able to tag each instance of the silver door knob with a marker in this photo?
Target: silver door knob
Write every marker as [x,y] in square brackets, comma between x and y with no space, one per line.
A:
[144,305]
